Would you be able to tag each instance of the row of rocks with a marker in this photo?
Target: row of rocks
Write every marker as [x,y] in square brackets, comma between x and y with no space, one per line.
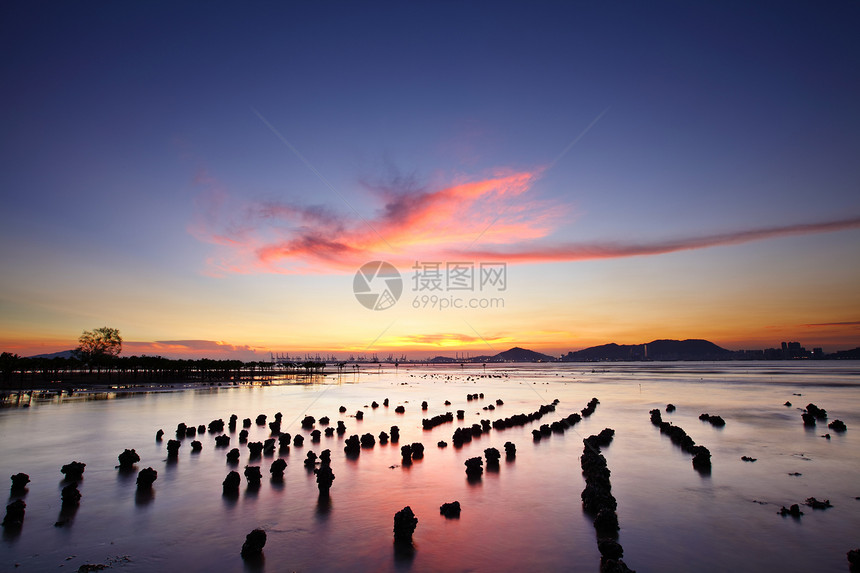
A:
[713,420]
[599,503]
[701,454]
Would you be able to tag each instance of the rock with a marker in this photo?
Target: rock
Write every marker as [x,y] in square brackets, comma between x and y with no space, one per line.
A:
[417,450]
[222,441]
[342,409]
[670,407]
[510,450]
[261,420]
[461,414]
[816,504]
[329,432]
[819,413]
[201,429]
[385,402]
[808,419]
[450,510]
[216,426]
[298,440]
[15,514]
[474,468]
[606,523]
[127,459]
[246,423]
[341,427]
[243,436]
[71,496]
[254,543]
[325,457]
[74,471]
[159,435]
[854,558]
[424,405]
[609,548]
[196,446]
[308,422]
[748,459]
[145,478]
[837,426]
[325,477]
[359,415]
[442,444]
[404,525]
[324,421]
[233,455]
[493,456]
[400,409]
[253,475]
[793,511]
[269,446]
[367,441]
[352,445]
[374,404]
[787,404]
[406,453]
[395,434]
[231,483]
[19,482]
[311,460]
[383,437]
[255,449]
[284,442]
[277,469]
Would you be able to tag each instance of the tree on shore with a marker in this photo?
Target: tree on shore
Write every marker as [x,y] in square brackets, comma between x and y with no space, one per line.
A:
[98,345]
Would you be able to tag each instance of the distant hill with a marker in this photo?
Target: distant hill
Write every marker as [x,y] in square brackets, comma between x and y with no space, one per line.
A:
[692,349]
[61,354]
[517,354]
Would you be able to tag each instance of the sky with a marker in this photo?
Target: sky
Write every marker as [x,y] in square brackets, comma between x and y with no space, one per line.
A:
[210,177]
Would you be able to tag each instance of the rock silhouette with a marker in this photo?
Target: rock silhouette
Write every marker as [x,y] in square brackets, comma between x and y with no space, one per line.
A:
[405,523]
[325,478]
[493,456]
[14,518]
[255,449]
[367,441]
[450,510]
[254,543]
[222,441]
[70,496]
[127,459]
[308,422]
[196,446]
[261,420]
[233,455]
[352,445]
[74,471]
[230,485]
[793,511]
[277,469]
[837,426]
[145,479]
[819,413]
[253,476]
[19,482]
[474,468]
[298,440]
[510,450]
[311,460]
[713,420]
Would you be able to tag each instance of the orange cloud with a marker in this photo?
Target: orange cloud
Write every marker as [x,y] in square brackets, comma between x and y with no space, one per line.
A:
[285,238]
[194,349]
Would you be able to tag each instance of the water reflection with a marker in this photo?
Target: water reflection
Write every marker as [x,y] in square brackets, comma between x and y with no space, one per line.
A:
[404,555]
[143,497]
[324,506]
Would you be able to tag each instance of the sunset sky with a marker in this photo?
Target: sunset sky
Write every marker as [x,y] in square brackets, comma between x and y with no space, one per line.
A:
[208,177]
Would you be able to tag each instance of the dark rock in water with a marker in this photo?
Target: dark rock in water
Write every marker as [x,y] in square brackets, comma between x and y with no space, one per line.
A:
[374,404]
[255,449]
[748,459]
[342,409]
[474,468]
[275,427]
[808,419]
[670,407]
[159,435]
[74,471]
[424,405]
[442,444]
[406,452]
[284,442]
[277,469]
[819,413]
[614,566]
[311,460]
[329,432]
[714,420]
[308,422]
[609,548]
[315,436]
[383,437]
[278,417]
[298,440]
[253,475]
[701,457]
[606,523]
[352,445]
[325,457]
[787,404]
[181,430]
[246,423]
[15,514]
[417,450]
[499,402]
[269,446]
[400,409]
[325,478]
[447,402]
[493,456]
[341,427]
[254,543]
[385,402]
[216,426]
[201,429]
[395,434]
[359,415]
[145,478]
[233,455]
[536,435]
[243,436]
[233,419]
[196,446]
[324,421]
[231,483]
[461,414]
[826,436]
[71,496]
[510,450]
[450,509]
[854,559]
[793,511]
[222,441]
[837,426]
[127,459]
[190,432]
[818,504]
[367,441]
[404,525]
[261,420]
[19,482]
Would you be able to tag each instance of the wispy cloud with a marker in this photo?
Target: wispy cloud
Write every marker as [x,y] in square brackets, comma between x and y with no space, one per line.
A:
[192,349]
[411,222]
[828,324]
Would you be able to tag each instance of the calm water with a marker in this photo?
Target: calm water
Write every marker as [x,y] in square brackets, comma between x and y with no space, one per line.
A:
[525,517]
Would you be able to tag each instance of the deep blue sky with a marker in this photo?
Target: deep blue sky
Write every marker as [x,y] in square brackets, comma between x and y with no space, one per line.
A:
[121,121]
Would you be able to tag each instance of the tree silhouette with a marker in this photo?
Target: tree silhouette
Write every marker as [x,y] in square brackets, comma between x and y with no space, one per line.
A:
[98,345]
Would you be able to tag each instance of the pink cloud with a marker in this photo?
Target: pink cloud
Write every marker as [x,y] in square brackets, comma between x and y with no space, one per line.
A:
[194,349]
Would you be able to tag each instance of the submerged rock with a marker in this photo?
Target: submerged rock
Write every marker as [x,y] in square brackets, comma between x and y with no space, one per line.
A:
[74,471]
[325,478]
[15,514]
[230,485]
[71,496]
[254,543]
[450,510]
[127,459]
[793,511]
[19,482]
[405,523]
[277,469]
[837,426]
[145,478]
